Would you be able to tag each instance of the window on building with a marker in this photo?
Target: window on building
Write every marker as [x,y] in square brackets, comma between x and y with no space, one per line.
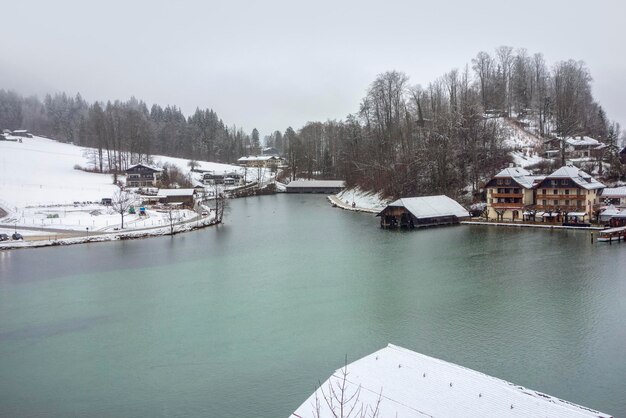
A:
[564,182]
[556,191]
[507,181]
[544,202]
[543,191]
[566,202]
[499,181]
[556,203]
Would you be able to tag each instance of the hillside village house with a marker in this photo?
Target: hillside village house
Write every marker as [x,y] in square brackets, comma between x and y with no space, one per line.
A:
[622,155]
[22,132]
[267,161]
[576,147]
[141,175]
[183,197]
[228,179]
[584,147]
[270,151]
[568,192]
[509,192]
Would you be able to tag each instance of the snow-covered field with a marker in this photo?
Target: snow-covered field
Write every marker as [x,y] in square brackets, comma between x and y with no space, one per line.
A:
[93,216]
[40,188]
[525,158]
[40,171]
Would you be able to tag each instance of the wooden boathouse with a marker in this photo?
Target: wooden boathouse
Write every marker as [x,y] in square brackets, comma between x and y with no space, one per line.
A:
[417,212]
[316,186]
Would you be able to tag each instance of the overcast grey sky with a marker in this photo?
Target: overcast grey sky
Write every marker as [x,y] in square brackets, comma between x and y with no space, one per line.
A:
[274,64]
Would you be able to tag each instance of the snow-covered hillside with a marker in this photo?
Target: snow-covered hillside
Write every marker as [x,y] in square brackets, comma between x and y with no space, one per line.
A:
[43,193]
[40,171]
[525,147]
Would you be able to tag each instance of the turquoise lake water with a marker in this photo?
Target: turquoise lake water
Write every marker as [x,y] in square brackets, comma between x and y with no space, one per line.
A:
[245,318]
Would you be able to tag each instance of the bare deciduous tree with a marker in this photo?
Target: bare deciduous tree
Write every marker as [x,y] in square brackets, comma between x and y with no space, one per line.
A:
[342,402]
[122,202]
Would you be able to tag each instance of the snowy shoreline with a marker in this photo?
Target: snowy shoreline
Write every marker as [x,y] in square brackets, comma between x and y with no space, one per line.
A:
[107,237]
[361,201]
[523,225]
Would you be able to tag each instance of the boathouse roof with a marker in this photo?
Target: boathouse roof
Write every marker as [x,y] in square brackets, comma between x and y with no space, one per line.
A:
[410,384]
[176,192]
[317,183]
[431,206]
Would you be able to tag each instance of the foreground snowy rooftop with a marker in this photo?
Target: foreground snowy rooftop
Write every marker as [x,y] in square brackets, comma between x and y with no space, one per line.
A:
[410,384]
[432,206]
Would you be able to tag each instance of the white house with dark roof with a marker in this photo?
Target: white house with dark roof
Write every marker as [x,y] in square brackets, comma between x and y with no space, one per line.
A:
[584,146]
[396,382]
[142,175]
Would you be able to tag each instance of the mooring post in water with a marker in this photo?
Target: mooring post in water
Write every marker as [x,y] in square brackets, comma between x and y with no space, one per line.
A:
[592,237]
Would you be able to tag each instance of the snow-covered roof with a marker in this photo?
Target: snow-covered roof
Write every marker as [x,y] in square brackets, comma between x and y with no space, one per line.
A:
[520,175]
[585,141]
[579,177]
[258,158]
[432,206]
[413,385]
[611,211]
[614,192]
[20,131]
[176,192]
[317,183]
[143,165]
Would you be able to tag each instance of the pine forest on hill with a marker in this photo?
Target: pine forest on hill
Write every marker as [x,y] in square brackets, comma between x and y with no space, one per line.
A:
[445,137]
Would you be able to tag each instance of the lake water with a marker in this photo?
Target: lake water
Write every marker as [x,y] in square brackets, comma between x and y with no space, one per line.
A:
[244,319]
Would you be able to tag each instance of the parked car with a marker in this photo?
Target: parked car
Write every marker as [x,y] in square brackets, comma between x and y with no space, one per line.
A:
[17,236]
[4,237]
[205,213]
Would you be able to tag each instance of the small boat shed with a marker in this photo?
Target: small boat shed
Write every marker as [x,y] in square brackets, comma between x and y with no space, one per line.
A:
[417,212]
[316,186]
[396,382]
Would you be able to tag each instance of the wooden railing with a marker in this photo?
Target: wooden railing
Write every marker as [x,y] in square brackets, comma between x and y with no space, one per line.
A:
[508,195]
[561,196]
[518,205]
